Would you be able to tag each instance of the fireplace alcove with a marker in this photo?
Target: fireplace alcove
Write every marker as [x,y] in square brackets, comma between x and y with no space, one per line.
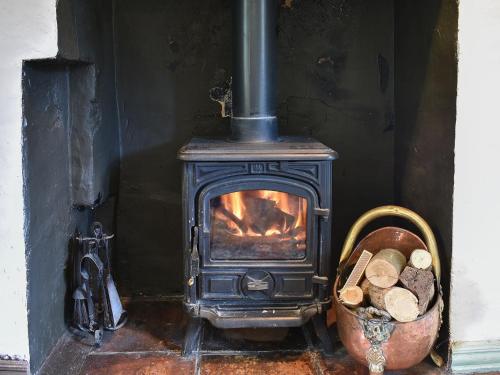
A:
[103,123]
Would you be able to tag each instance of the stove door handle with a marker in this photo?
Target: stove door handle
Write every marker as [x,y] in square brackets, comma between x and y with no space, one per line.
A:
[322,280]
[324,213]
[258,285]
[254,284]
[195,255]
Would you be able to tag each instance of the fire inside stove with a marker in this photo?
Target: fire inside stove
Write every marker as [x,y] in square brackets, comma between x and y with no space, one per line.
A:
[258,224]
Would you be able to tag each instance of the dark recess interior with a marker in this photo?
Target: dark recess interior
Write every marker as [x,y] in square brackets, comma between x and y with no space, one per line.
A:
[375,80]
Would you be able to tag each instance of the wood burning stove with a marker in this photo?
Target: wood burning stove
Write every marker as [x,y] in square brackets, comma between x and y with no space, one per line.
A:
[257,207]
[257,231]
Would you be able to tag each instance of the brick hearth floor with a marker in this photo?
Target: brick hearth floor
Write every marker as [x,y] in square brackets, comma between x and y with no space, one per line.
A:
[151,342]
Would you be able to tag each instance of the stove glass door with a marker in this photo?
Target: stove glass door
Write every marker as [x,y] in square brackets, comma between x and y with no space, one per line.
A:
[258,225]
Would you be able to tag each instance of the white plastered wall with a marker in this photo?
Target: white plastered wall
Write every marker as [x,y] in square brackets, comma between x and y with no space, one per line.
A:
[475,295]
[28,30]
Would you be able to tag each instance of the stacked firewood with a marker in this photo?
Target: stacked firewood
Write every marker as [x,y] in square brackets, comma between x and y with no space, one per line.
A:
[391,282]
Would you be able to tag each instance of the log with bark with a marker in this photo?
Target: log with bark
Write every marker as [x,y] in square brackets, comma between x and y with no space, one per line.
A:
[376,295]
[384,268]
[365,287]
[421,283]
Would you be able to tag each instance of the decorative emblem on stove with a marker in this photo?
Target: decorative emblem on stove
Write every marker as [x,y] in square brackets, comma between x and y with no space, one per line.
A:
[257,168]
[257,284]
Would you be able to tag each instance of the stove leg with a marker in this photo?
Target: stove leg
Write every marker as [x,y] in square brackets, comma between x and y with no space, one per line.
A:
[193,337]
[321,330]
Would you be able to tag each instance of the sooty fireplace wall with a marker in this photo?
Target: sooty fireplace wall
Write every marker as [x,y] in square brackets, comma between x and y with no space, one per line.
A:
[170,54]
[158,61]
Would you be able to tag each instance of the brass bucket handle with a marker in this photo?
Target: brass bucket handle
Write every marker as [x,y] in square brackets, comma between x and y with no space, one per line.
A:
[397,211]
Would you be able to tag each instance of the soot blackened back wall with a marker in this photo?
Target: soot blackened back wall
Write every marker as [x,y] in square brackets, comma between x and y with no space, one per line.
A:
[335,64]
[425,102]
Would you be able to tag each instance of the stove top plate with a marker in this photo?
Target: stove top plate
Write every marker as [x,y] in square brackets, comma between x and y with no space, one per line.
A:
[287,148]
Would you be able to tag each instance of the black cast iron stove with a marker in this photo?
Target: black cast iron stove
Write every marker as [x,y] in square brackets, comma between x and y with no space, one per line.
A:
[257,207]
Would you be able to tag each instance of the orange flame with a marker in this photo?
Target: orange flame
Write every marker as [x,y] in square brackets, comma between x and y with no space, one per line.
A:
[284,213]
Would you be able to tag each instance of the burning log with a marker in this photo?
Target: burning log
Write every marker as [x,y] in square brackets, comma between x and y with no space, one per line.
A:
[263,215]
[245,224]
[260,217]
[243,227]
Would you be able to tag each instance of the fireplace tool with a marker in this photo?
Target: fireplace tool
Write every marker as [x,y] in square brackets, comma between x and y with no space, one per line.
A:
[368,334]
[96,302]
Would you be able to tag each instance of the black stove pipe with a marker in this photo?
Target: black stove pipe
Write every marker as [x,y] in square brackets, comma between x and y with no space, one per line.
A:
[254,71]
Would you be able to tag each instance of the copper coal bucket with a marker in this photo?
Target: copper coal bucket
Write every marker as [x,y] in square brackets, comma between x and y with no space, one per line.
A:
[379,343]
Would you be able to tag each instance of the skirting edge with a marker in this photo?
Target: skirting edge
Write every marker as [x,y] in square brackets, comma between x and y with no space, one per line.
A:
[8,367]
[475,356]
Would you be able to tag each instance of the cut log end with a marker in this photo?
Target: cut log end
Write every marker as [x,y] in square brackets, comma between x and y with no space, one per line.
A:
[351,296]
[382,274]
[385,267]
[401,304]
[421,259]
